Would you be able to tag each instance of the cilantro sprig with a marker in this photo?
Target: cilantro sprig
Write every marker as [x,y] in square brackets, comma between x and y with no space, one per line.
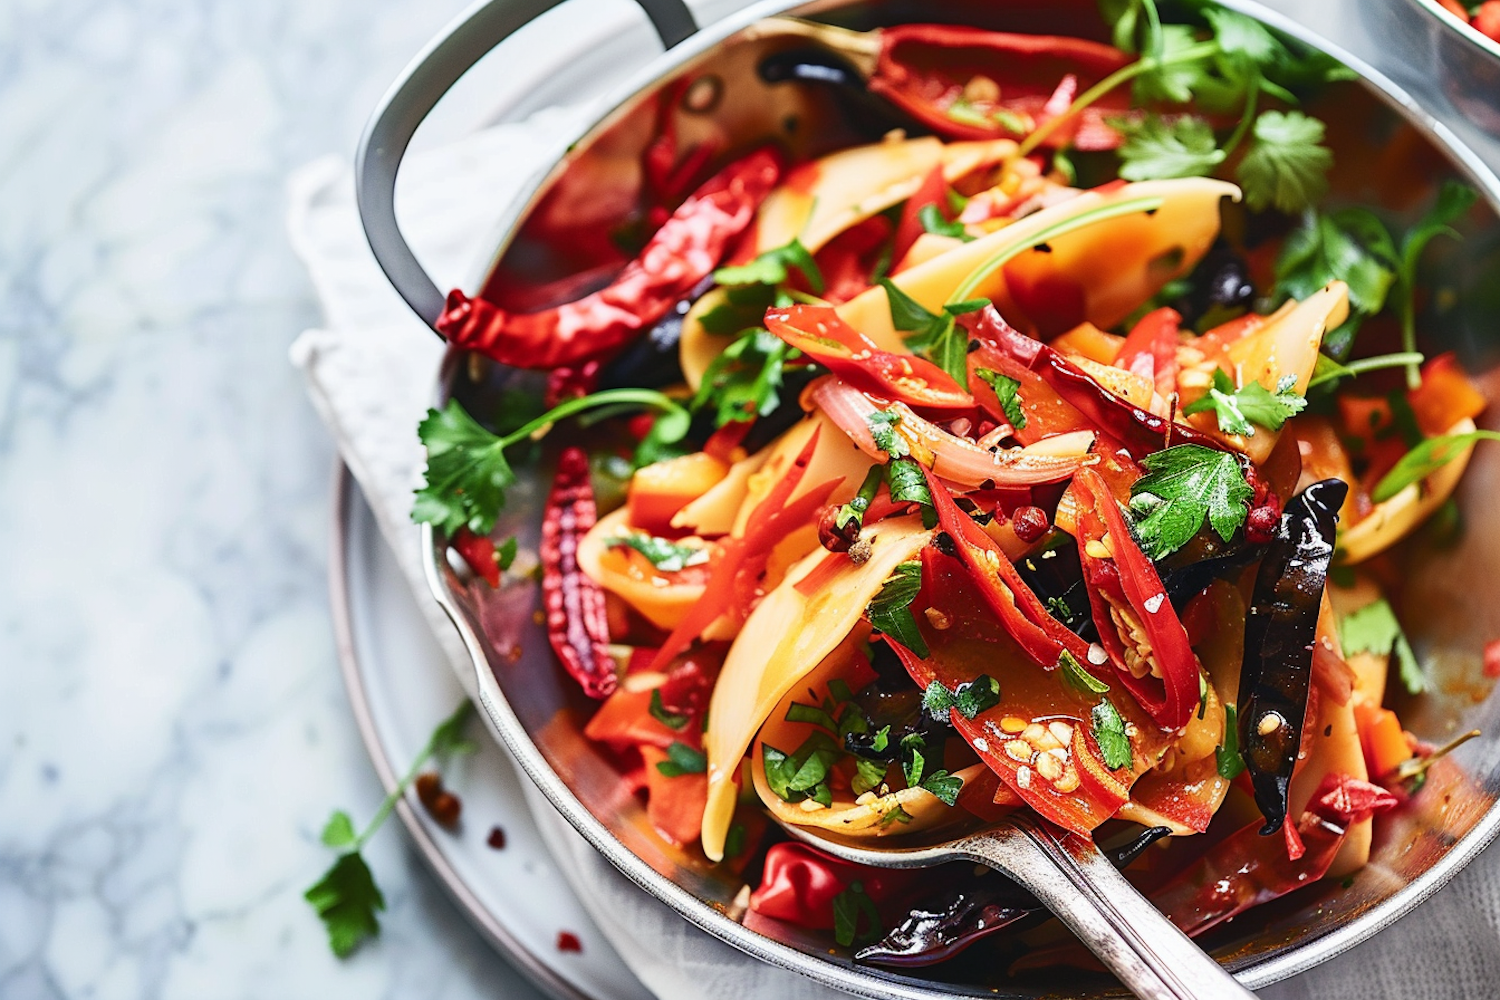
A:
[936,336]
[665,555]
[1183,486]
[890,610]
[774,267]
[1375,629]
[467,470]
[745,380]
[1238,409]
[346,898]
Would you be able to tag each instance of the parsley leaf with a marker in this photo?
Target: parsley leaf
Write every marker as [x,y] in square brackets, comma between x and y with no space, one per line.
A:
[467,474]
[1078,678]
[890,611]
[1426,458]
[1375,629]
[931,218]
[773,268]
[882,424]
[1008,392]
[658,710]
[1286,167]
[667,556]
[1237,409]
[743,382]
[851,908]
[1184,485]
[682,759]
[804,773]
[1227,756]
[969,698]
[868,775]
[1155,148]
[908,485]
[936,336]
[1109,732]
[944,785]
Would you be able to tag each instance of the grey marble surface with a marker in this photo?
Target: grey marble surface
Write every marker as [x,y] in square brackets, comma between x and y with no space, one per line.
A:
[173,730]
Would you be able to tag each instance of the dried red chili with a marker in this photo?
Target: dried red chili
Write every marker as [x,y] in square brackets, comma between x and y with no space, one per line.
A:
[576,624]
[686,249]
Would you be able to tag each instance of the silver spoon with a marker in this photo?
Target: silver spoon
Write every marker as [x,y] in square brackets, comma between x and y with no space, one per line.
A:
[1150,956]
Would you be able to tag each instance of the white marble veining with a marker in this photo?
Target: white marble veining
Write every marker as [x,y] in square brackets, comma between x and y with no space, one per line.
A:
[173,730]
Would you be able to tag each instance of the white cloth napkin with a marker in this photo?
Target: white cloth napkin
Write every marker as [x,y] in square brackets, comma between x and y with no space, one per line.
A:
[371,372]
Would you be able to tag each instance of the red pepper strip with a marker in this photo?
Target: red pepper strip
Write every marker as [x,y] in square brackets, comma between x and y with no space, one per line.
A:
[684,250]
[850,258]
[1128,583]
[819,333]
[1047,414]
[1020,611]
[577,626]
[722,443]
[479,552]
[1150,349]
[799,884]
[1140,431]
[1248,869]
[934,191]
[742,561]
[927,68]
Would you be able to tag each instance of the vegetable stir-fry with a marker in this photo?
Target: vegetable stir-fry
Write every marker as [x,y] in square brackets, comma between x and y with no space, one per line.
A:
[979,488]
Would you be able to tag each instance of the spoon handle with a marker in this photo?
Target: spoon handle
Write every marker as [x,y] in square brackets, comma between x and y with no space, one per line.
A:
[1149,955]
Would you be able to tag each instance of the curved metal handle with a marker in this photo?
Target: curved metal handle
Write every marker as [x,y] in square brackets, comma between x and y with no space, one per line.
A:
[1154,959]
[414,94]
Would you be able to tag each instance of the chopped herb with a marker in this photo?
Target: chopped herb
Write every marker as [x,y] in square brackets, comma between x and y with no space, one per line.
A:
[852,720]
[734,841]
[812,715]
[1287,166]
[853,512]
[931,218]
[1109,732]
[773,267]
[1375,629]
[937,336]
[682,759]
[1426,458]
[882,424]
[667,556]
[803,774]
[896,815]
[1156,148]
[944,785]
[744,381]
[1227,756]
[1253,403]
[671,720]
[1184,485]
[1007,391]
[851,909]
[505,554]
[913,762]
[868,775]
[1078,678]
[882,739]
[969,698]
[838,689]
[890,611]
[909,485]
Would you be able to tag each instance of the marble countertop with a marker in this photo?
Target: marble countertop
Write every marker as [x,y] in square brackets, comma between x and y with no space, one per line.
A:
[173,728]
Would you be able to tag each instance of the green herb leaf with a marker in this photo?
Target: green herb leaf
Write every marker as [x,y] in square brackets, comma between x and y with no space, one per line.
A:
[1426,458]
[851,909]
[907,484]
[734,841]
[346,899]
[868,775]
[812,715]
[506,554]
[1174,74]
[1008,392]
[682,759]
[938,702]
[1286,167]
[931,218]
[672,720]
[913,762]
[882,739]
[448,738]
[1253,403]
[890,611]
[945,786]
[1227,756]
[773,268]
[339,831]
[667,556]
[1109,732]
[1375,629]
[467,473]
[1323,250]
[1078,678]
[978,695]
[744,381]
[803,774]
[1184,485]
[882,424]
[936,336]
[1155,148]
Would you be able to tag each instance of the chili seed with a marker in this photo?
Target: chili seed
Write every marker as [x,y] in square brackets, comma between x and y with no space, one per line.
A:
[1068,781]
[1012,724]
[1018,750]
[1049,767]
[1033,732]
[1062,732]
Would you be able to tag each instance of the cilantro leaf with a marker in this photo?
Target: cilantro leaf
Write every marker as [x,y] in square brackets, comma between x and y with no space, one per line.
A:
[667,556]
[882,424]
[346,898]
[936,336]
[1184,485]
[1227,756]
[931,218]
[851,908]
[944,785]
[812,715]
[1078,678]
[1175,72]
[1324,250]
[1375,629]
[773,267]
[804,773]
[1240,35]
[1253,403]
[890,611]
[1286,167]
[658,710]
[339,832]
[1155,148]
[1109,733]
[682,759]
[743,382]
[1426,458]
[467,473]
[908,485]
[1008,392]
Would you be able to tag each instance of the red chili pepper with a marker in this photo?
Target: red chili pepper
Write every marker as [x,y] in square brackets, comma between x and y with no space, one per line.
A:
[742,561]
[819,333]
[1150,349]
[934,191]
[576,624]
[1140,431]
[1127,583]
[799,885]
[684,250]
[479,552]
[929,69]
[1020,611]
[850,258]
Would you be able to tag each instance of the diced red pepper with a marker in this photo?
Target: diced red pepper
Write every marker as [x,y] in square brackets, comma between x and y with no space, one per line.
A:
[479,552]
[1127,582]
[848,260]
[674,804]
[1445,396]
[1150,349]
[819,333]
[577,624]
[799,884]
[684,251]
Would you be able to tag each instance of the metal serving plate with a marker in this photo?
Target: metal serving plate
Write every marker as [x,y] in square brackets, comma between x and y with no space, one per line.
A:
[1467,60]
[1388,151]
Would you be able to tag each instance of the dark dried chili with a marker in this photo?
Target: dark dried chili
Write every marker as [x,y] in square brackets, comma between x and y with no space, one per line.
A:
[1279,637]
[686,249]
[577,626]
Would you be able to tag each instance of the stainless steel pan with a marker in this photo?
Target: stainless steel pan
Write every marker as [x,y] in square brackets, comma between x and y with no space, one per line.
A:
[533,709]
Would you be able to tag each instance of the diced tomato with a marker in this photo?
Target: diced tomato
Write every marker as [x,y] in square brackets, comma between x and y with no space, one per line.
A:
[479,552]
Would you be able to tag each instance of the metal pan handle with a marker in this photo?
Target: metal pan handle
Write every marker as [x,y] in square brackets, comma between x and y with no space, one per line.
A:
[414,94]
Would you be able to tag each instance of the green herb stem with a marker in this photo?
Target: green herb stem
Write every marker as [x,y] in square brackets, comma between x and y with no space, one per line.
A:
[1124,74]
[1252,97]
[395,795]
[1376,363]
[608,397]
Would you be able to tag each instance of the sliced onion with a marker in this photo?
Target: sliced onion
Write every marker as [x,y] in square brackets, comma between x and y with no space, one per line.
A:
[955,459]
